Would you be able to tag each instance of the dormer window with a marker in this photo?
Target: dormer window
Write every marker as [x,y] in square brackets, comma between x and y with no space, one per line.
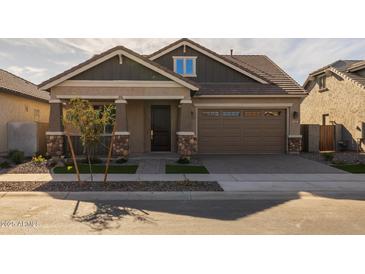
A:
[322,83]
[185,65]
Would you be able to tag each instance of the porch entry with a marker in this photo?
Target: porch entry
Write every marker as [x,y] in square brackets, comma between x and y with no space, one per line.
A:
[327,138]
[160,128]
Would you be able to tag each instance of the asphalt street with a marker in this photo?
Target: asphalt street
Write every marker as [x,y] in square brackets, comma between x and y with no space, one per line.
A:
[294,214]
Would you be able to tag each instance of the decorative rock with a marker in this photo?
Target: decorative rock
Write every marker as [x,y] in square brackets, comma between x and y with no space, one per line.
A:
[121,146]
[294,145]
[55,145]
[186,145]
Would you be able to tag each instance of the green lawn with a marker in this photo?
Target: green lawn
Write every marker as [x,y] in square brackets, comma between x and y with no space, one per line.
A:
[185,169]
[351,168]
[84,168]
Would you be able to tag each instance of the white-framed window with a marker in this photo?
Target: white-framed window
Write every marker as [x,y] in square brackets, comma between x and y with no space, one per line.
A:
[185,65]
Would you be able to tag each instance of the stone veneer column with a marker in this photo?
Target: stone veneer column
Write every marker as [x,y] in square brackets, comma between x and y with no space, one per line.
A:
[55,133]
[294,144]
[121,139]
[186,139]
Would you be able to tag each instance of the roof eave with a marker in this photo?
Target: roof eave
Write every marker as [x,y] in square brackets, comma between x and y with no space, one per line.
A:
[48,84]
[209,53]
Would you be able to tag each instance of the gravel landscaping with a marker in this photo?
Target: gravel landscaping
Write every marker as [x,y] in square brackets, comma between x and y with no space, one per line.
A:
[26,168]
[110,186]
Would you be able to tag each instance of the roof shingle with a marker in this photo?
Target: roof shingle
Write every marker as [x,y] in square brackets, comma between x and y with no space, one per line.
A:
[343,67]
[19,86]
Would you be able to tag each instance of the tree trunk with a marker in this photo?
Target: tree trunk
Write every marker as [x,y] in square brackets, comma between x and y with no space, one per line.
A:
[109,155]
[73,155]
[89,161]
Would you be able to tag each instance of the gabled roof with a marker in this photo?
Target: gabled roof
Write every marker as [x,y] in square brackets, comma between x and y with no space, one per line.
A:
[265,67]
[16,85]
[97,59]
[344,68]
[240,67]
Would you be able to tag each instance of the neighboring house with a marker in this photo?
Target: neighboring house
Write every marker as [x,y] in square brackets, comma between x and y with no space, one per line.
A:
[337,96]
[20,101]
[184,97]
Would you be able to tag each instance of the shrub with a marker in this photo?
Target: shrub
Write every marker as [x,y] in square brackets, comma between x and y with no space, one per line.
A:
[16,156]
[93,160]
[183,161]
[328,156]
[4,164]
[38,160]
[121,161]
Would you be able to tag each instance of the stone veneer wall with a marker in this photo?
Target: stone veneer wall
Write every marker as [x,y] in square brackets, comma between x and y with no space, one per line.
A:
[294,145]
[186,145]
[344,101]
[121,146]
[55,145]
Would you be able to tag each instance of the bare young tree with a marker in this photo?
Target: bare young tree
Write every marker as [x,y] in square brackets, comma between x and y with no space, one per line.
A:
[90,123]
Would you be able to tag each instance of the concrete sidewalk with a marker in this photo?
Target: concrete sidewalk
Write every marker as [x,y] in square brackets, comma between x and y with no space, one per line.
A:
[192,177]
[229,182]
[185,195]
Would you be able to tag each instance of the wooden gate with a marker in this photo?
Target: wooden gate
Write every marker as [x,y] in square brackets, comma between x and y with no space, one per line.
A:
[327,138]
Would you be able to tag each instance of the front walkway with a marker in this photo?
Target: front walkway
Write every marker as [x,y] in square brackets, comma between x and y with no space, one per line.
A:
[151,166]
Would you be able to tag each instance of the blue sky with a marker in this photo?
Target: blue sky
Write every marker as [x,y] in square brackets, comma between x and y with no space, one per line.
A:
[39,59]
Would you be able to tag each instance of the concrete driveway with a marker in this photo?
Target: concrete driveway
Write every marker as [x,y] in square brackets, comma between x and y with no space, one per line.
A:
[289,164]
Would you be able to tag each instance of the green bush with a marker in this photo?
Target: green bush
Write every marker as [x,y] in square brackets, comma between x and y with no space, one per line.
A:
[4,164]
[16,156]
[328,156]
[38,160]
[93,160]
[183,161]
[121,161]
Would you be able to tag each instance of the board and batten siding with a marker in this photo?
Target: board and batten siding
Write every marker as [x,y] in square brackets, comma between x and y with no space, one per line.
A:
[111,69]
[207,69]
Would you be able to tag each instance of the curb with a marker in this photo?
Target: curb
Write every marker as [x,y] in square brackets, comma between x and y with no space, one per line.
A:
[187,196]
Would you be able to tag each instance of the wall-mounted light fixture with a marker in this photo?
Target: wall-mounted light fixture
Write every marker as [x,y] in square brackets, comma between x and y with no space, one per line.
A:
[295,114]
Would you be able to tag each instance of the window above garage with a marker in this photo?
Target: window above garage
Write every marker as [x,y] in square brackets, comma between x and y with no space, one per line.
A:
[185,65]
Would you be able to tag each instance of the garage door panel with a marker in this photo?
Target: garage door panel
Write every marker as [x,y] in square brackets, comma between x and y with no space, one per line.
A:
[250,131]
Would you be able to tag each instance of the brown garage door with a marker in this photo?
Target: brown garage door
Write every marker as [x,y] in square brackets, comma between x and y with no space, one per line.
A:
[241,131]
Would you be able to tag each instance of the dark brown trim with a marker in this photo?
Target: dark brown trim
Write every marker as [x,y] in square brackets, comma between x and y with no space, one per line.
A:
[211,52]
[96,57]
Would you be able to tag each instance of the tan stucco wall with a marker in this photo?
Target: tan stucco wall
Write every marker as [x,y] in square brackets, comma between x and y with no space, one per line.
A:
[122,91]
[343,101]
[18,109]
[294,102]
[138,111]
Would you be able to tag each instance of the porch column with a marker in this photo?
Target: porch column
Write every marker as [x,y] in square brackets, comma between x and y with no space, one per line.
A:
[186,139]
[121,139]
[55,133]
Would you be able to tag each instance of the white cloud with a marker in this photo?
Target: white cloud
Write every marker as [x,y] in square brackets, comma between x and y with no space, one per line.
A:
[28,72]
[39,59]
[5,55]
[97,45]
